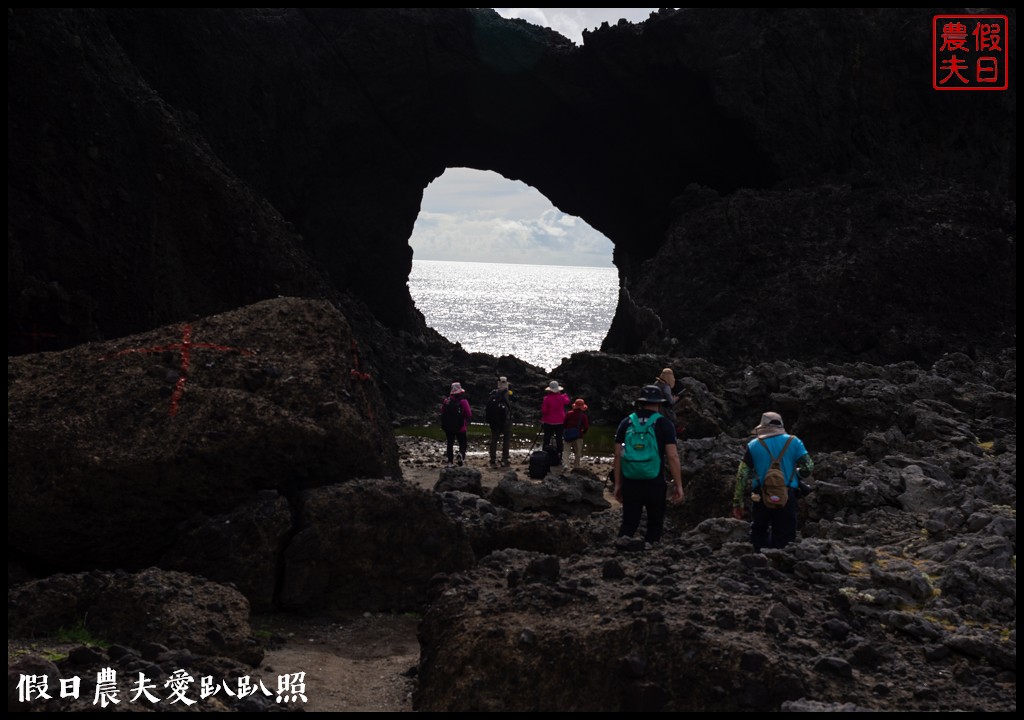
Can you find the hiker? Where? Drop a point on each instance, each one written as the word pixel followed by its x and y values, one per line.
pixel 645 442
pixel 773 507
pixel 499 417
pixel 455 415
pixel 666 382
pixel 552 415
pixel 576 425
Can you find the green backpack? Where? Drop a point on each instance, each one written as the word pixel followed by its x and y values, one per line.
pixel 641 456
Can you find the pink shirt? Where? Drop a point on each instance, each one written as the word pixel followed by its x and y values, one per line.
pixel 467 411
pixel 552 410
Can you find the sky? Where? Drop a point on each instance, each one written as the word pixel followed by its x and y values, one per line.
pixel 480 216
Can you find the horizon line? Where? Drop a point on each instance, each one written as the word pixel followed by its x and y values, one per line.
pixel 510 262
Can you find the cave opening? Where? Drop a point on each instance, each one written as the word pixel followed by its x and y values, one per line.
pixel 501 270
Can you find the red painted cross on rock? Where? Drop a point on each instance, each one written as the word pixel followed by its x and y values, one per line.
pixel 185 347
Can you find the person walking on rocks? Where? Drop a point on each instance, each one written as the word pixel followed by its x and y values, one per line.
pixel 576 425
pixel 772 467
pixel 499 418
pixel 455 416
pixel 552 415
pixel 645 443
pixel 666 382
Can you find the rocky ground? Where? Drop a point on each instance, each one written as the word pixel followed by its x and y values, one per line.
pixel 353 661
pixel 477 588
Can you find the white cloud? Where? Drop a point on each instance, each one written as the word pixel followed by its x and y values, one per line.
pixel 571 22
pixel 478 216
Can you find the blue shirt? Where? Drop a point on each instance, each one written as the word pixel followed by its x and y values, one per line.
pixel 758 458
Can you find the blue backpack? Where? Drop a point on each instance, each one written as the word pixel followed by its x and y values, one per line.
pixel 641 455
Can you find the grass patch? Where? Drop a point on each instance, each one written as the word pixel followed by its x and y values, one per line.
pixel 79 634
pixel 598 441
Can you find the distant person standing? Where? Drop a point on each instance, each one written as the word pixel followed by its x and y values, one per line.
pixel 552 415
pixel 645 443
pixel 499 418
pixel 455 416
pixel 576 425
pixel 666 382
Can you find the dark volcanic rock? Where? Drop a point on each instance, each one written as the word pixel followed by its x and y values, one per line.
pixel 657 618
pixel 460 479
pixel 850 273
pixel 292 148
pixel 170 608
pixel 571 494
pixel 102 473
pixel 370 544
pixel 900 593
pixel 491 527
pixel 243 547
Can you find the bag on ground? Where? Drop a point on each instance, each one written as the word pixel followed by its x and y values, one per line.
pixel 540 464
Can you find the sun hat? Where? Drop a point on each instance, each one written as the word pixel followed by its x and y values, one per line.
pixel 553 386
pixel 651 394
pixel 771 425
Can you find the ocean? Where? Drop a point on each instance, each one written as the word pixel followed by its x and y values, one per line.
pixel 539 313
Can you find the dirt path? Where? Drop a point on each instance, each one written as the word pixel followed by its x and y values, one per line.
pixel 358 664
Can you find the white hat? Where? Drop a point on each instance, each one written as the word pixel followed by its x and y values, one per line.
pixel 771 425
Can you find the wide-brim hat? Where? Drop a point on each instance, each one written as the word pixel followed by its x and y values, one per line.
pixel 651 394
pixel 579 405
pixel 456 389
pixel 553 386
pixel 503 383
pixel 771 425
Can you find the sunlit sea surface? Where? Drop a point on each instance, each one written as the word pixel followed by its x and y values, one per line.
pixel 539 313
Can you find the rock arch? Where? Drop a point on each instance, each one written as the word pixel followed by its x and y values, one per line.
pixel 163 163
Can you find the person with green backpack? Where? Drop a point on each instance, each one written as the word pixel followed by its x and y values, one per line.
pixel 645 442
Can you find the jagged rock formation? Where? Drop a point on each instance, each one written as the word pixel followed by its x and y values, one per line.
pixel 153 606
pixel 152 150
pixel 900 594
pixel 787 199
pixel 100 472
pixel 370 544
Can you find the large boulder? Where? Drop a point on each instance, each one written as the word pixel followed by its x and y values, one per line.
pixel 173 609
pixel 702 623
pixel 112 445
pixel 576 493
pixel 491 527
pixel 243 547
pixel 371 545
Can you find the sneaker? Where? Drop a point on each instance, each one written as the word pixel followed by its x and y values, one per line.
pixel 492 464
pixel 505 463
pixel 458 459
